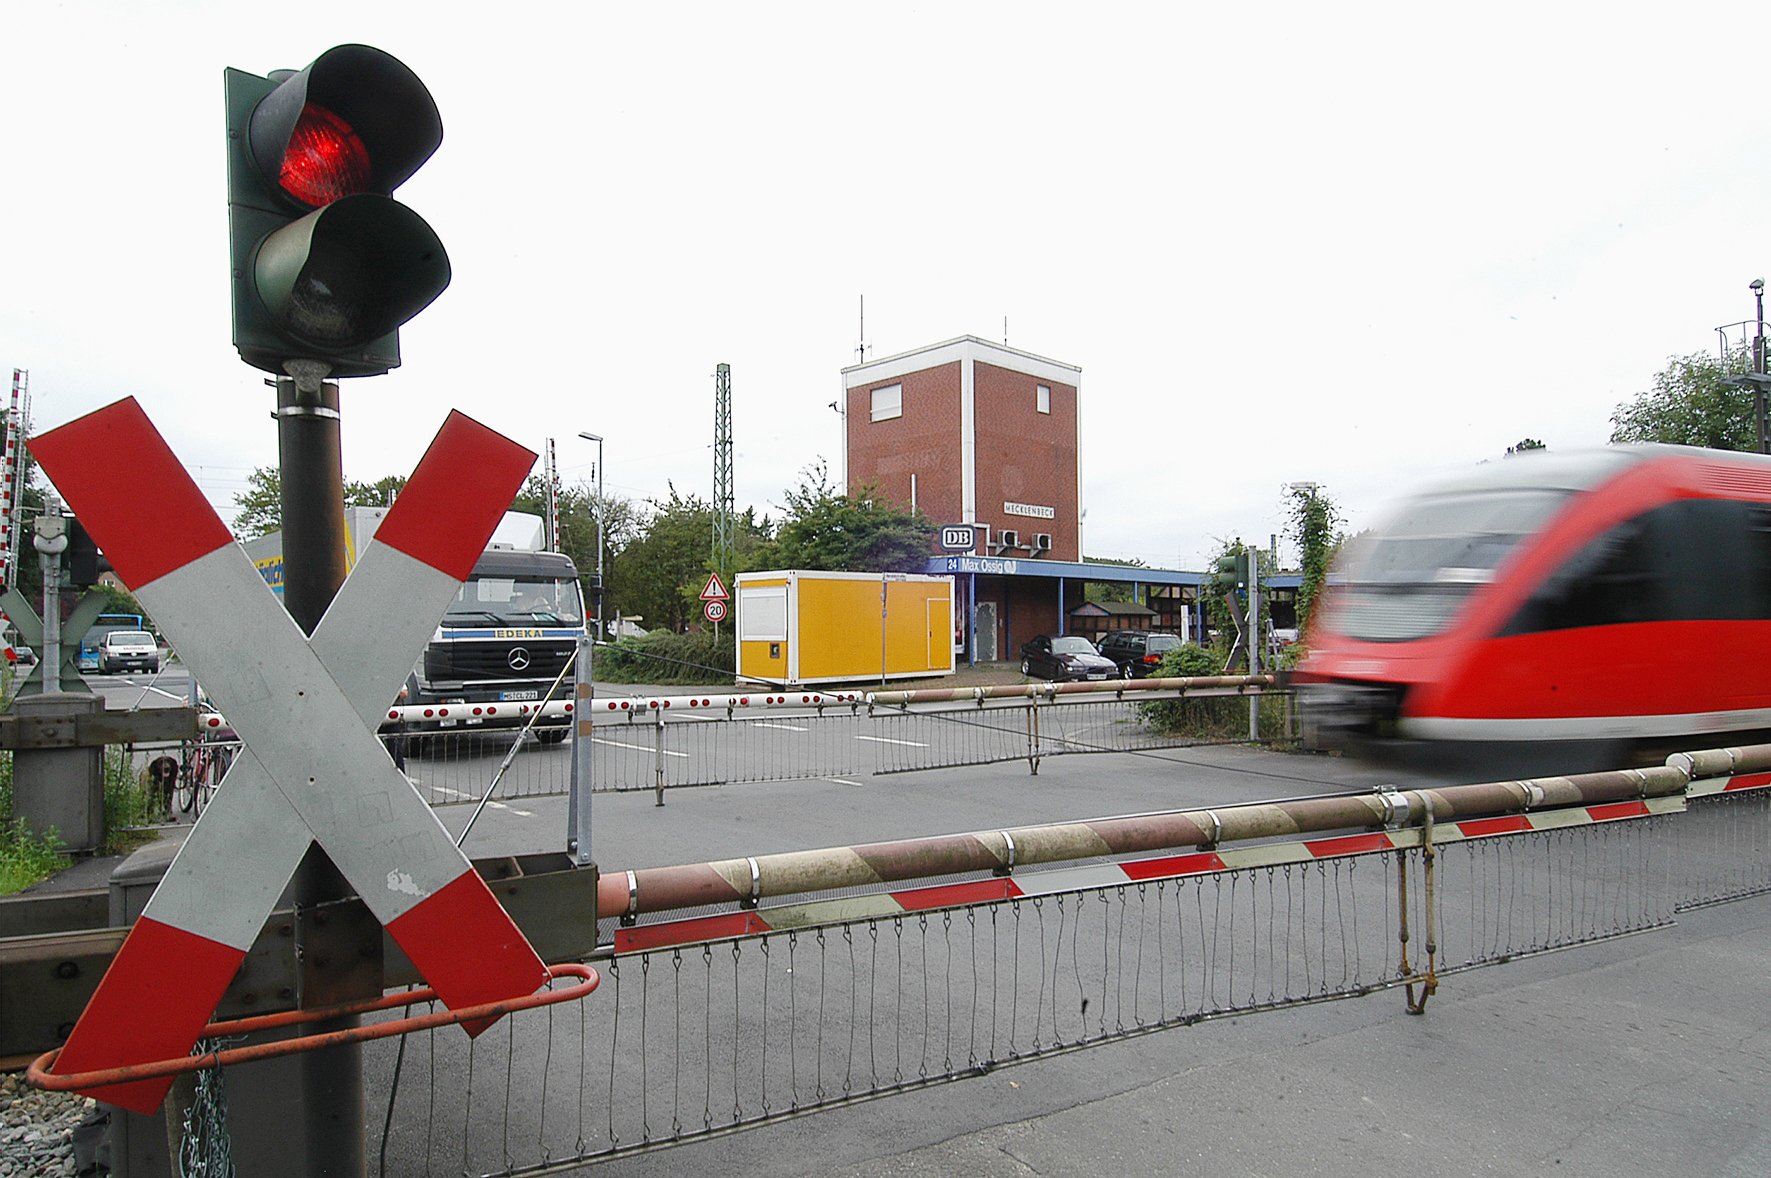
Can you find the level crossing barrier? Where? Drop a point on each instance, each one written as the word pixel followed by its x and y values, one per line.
pixel 752 989
pixel 660 743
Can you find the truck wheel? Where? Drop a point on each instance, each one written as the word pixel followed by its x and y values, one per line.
pixel 551 735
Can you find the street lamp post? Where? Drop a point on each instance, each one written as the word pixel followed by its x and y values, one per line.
pixel 602 633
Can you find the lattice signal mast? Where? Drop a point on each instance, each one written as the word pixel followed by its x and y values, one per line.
pixel 722 468
pixel 12 475
pixel 550 474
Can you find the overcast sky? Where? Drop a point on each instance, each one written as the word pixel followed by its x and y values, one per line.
pixel 1351 244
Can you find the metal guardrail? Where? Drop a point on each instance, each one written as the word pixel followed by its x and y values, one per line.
pixel 669 742
pixel 745 991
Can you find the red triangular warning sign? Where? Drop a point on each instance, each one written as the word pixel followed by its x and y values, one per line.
pixel 714 591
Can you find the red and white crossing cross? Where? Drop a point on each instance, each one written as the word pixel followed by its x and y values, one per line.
pixel 306 710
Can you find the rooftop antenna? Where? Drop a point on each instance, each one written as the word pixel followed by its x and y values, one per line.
pixel 1005 331
pixel 862 347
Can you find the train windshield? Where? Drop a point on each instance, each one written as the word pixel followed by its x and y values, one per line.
pixel 1408 578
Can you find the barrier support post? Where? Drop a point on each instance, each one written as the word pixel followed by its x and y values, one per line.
pixel 658 755
pixel 583 770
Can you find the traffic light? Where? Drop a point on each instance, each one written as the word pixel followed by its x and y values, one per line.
pixel 326 265
pixel 1230 572
pixel 85 563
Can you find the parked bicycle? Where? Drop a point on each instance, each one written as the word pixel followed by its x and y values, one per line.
pixel 206 761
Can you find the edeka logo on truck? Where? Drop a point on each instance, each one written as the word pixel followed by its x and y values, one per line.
pixel 506 637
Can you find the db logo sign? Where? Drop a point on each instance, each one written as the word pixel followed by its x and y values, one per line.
pixel 958 538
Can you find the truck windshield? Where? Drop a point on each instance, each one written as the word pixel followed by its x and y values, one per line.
pixel 517 600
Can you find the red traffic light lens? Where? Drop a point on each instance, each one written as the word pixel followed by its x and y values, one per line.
pixel 325 160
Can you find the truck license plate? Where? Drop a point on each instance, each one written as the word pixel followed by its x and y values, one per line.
pixel 519 695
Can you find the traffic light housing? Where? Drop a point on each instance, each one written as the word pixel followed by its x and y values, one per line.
pixel 326 264
pixel 84 561
pixel 1230 571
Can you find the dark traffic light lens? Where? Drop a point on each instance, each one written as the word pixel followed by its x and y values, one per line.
pixel 325 160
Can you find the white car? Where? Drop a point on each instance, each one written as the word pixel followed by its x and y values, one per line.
pixel 123 650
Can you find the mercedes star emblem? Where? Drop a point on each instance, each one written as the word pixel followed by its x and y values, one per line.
pixel 519 659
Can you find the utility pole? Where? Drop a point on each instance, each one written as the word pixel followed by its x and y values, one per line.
pixel 1254 637
pixel 602 633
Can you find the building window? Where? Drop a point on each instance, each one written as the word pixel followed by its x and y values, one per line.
pixel 1042 398
pixel 888 401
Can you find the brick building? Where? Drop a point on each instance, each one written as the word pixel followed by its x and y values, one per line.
pixel 972 432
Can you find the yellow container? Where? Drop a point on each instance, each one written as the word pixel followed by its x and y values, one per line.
pixel 797 627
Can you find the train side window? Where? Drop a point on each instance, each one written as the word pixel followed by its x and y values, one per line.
pixel 1613 579
pixel 1695 559
pixel 1758 560
pixel 1697 545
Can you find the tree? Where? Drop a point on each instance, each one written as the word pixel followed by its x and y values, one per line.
pixel 260 505
pixel 860 531
pixel 1692 405
pixel 1314 520
pixel 622 524
pixel 665 565
pixel 1111 590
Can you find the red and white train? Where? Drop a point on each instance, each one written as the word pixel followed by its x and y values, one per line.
pixel 1554 611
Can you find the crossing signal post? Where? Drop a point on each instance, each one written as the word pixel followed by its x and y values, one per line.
pixel 326 264
pixel 326 268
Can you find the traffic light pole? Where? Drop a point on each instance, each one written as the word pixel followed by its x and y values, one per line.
pixel 1254 638
pixel 330 1082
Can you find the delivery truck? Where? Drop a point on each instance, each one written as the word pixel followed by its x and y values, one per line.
pixel 797 627
pixel 510 630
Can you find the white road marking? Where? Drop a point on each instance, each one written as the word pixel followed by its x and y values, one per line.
pixel 782 727
pixel 842 781
pixel 888 740
pixel 644 748
pixel 455 793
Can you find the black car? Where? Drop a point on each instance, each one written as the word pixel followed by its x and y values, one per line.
pixel 1136 653
pixel 1069 656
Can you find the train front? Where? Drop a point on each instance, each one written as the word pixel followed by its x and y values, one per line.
pixel 1410 603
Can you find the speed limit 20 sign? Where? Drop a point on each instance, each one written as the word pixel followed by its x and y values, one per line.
pixel 715 611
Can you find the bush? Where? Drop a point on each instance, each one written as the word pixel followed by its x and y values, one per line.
pixel 24 858
pixel 128 803
pixel 662 657
pixel 1223 718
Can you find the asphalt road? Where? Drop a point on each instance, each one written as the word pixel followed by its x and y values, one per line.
pixel 699 824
